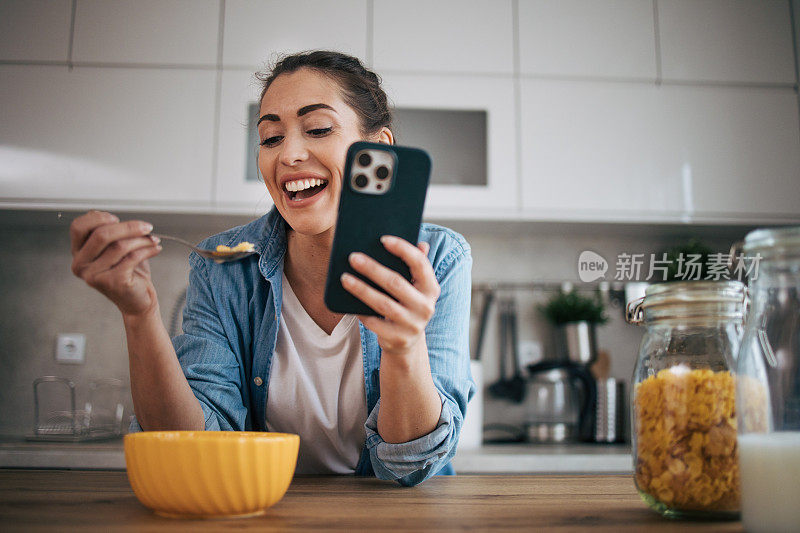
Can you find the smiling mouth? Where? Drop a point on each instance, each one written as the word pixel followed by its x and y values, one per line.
pixel 299 190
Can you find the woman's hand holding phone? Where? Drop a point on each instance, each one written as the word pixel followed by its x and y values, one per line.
pixel 411 305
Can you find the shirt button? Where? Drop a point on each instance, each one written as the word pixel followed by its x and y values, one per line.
pixel 258 381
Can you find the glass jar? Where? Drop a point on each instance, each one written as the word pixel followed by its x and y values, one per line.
pixel 768 384
pixel 683 398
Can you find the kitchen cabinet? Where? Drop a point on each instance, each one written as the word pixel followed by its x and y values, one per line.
pixel 35 30
pixel 443 36
pixel 238 184
pixel 598 151
pixel 495 96
pixel 742 41
pixel 669 153
pixel 180 32
pixel 578 130
pixel 605 38
pixel 94 136
pixel 738 151
pixel 257 31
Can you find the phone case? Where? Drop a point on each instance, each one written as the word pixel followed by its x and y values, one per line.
pixel 364 218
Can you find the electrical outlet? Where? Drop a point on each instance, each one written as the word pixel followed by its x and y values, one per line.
pixel 70 348
pixel 530 352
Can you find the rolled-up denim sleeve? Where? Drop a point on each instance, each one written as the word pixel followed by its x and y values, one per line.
pixel 447 338
pixel 209 363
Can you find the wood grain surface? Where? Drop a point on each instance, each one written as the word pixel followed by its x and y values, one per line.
pixel 67 500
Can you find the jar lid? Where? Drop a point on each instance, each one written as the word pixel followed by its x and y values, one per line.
pixel 773 241
pixel 689 299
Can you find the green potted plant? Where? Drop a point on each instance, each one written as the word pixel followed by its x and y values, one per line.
pixel 677 256
pixel 575 317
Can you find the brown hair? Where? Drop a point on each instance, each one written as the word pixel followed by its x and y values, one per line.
pixel 361 87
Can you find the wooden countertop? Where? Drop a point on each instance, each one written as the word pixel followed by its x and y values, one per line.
pixel 41 500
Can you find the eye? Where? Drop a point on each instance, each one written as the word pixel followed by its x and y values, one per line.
pixel 272 141
pixel 319 132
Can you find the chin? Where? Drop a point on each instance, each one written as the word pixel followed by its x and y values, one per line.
pixel 310 223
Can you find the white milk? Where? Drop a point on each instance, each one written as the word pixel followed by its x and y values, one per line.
pixel 770 468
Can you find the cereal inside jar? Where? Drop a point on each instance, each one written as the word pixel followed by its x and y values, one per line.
pixel 683 400
pixel 686 439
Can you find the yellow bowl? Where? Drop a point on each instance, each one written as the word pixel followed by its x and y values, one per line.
pixel 210 474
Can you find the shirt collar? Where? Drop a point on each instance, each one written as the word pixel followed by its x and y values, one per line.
pixel 268 234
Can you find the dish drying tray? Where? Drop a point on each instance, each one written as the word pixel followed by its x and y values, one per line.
pixel 77 425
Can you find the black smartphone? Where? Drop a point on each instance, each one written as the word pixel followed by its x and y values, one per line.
pixel 383 193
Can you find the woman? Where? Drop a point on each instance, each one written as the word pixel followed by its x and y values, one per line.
pixel 260 351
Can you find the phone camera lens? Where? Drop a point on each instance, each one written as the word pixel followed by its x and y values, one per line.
pixel 364 160
pixel 361 181
pixel 382 173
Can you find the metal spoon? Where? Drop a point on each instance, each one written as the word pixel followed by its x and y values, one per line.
pixel 218 257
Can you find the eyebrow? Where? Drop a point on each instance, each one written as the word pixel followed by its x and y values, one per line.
pixel 300 112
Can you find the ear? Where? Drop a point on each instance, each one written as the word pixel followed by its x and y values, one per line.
pixel 385 136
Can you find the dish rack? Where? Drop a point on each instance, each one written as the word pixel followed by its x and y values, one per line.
pixel 100 419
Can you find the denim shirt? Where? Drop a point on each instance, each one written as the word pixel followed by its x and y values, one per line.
pixel 230 327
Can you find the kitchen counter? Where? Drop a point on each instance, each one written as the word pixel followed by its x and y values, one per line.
pixel 545 458
pixel 38 500
pixel 15 452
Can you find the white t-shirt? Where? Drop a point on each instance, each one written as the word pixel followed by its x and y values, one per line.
pixel 316 389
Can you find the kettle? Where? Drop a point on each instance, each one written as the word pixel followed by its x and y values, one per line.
pixel 560 402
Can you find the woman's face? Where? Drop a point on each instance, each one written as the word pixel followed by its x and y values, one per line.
pixel 305 128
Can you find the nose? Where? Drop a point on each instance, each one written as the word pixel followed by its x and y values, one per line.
pixel 293 150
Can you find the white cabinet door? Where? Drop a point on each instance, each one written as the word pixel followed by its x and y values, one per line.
pixel 605 38
pixel 257 31
pixel 34 30
pixel 103 135
pixel 607 151
pixel 238 184
pixel 739 150
pixel 495 96
pixel 183 32
pixel 746 41
pixel 596 150
pixel 474 36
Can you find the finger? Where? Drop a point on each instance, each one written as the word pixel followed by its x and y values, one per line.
pixel 104 235
pixel 376 300
pixel 116 252
pixel 391 282
pixel 81 227
pixel 124 269
pixel 377 325
pixel 421 269
pixel 425 247
pixel 391 338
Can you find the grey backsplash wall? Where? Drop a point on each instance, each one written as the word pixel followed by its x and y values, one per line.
pixel 42 298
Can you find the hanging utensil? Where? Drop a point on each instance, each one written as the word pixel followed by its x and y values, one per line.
pixel 499 388
pixel 516 385
pixel 508 388
pixel 488 300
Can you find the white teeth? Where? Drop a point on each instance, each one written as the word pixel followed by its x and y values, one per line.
pixel 299 185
